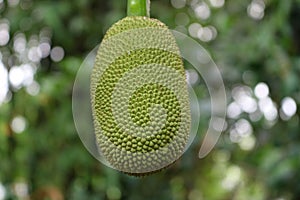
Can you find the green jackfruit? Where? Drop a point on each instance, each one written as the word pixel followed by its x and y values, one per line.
pixel 139 97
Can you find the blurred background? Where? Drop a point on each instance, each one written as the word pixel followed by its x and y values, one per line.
pixel 256 45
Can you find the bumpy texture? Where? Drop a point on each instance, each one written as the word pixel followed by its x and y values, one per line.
pixel 139 97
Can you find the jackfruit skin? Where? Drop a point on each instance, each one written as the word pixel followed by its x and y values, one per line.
pixel 143 125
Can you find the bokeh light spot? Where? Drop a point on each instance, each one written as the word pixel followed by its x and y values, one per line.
pixel 2 192
pixel 247 143
pixel 256 116
pixel 256 9
pixel 243 96
pixel 261 90
pixel 178 3
pixel 34 54
pixel 3 82
pixel 16 76
pixel 192 76
pixel 221 156
pixel 18 124
pixel 234 110
pixel 21 190
pixel 268 108
pixel 4 32
pixel 33 89
pixel 202 11
pixel 57 54
pixel 205 34
pixel 113 193
pixel 21 75
pixel 45 49
pixel 217 3
pixel 13 3
pixel 289 106
pixel 243 128
pixel 233 176
pixel 19 43
pixel 193 29
pixel 182 19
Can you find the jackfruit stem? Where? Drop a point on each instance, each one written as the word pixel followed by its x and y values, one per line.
pixel 138 8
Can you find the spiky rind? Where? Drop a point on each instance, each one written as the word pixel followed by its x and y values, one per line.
pixel 139 147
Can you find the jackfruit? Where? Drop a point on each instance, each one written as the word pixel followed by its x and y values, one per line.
pixel 139 97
